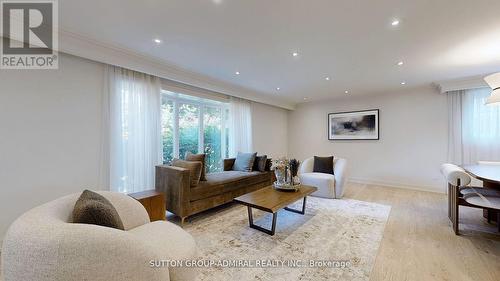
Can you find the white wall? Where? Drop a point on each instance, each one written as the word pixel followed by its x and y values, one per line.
pixel 50 124
pixel 412 145
pixel 269 130
pixel 49 134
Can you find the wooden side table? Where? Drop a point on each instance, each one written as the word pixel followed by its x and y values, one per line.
pixel 154 203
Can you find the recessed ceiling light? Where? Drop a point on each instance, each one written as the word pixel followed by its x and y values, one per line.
pixel 395 22
pixel 237 73
pixel 157 41
pixel 327 78
pixel 347 92
pixel 295 54
pixel 400 63
pixel 277 89
pixel 403 83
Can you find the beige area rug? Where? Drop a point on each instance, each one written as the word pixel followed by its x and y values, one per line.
pixel 330 231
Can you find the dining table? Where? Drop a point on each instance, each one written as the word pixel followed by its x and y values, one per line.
pixel 489 174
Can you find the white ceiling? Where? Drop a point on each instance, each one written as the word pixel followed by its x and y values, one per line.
pixel 351 41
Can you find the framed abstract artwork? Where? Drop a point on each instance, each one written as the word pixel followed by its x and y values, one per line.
pixel 354 125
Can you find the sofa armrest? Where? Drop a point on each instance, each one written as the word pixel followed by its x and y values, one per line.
pixel 340 172
pixel 174 182
pixel 228 164
pixel 306 166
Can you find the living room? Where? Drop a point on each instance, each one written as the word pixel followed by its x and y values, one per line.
pixel 224 140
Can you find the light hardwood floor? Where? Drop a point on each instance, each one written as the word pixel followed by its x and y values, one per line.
pixel 419 244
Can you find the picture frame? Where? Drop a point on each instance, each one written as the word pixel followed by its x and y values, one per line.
pixel 354 125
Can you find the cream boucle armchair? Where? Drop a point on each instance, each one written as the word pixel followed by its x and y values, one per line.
pixel 329 186
pixel 44 245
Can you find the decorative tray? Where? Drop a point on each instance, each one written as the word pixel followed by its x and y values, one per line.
pixel 286 186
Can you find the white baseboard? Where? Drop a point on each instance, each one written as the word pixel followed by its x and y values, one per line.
pixel 398 185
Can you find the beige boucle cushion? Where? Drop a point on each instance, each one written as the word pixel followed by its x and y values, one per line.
pixel 93 208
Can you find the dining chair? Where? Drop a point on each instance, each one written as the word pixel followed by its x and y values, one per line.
pixel 460 194
pixel 455 176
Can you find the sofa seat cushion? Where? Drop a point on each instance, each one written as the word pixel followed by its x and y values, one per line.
pixel 170 243
pixel 222 182
pixel 324 182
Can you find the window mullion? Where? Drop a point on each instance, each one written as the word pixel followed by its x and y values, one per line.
pixel 176 129
pixel 223 134
pixel 201 135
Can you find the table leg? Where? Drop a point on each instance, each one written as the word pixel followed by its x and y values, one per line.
pixel 254 226
pixel 298 211
pixel 491 215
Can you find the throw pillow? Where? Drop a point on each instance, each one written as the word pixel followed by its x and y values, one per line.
pixel 260 163
pixel 323 165
pixel 194 168
pixel 244 162
pixel 201 158
pixel 93 208
pixel 269 164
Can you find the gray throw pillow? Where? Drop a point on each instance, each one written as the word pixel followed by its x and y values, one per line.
pixel 260 163
pixel 244 162
pixel 194 168
pixel 93 208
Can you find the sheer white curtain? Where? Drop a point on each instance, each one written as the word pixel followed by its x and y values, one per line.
pixel 132 114
pixel 240 126
pixel 474 128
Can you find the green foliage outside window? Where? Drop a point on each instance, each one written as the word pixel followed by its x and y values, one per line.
pixel 212 121
pixel 189 132
pixel 188 129
pixel 167 130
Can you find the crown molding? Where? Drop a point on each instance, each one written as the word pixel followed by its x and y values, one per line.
pixel 473 82
pixel 81 46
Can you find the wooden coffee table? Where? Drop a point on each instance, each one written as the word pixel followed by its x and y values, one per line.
pixel 271 200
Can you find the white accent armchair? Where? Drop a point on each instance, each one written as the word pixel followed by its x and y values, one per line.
pixel 329 186
pixel 43 245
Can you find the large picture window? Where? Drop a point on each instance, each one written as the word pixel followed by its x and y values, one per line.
pixel 189 128
pixel 194 125
pixel 474 127
pixel 167 129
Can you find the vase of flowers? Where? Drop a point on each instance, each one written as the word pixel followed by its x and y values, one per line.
pixel 294 169
pixel 280 169
pixel 285 171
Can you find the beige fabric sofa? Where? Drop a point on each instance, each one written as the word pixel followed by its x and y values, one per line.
pixel 43 245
